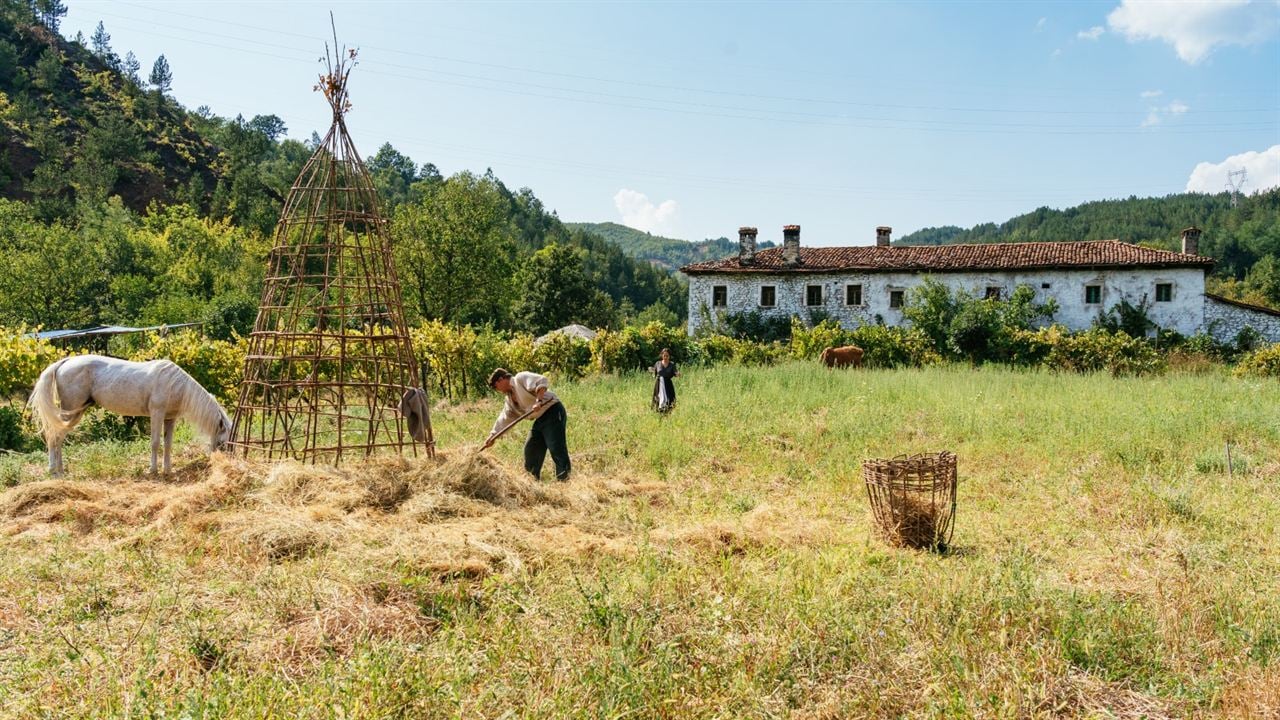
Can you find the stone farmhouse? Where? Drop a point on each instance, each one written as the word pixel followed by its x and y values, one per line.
pixel 870 283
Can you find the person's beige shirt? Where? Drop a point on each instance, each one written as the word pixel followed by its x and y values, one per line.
pixel 522 397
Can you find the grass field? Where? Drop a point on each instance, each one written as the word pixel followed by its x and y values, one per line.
pixel 718 562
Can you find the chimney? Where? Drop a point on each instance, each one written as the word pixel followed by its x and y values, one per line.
pixel 790 245
pixel 746 245
pixel 882 235
pixel 1191 241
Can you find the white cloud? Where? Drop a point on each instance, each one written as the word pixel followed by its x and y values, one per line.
pixel 639 212
pixel 1056 53
pixel 1263 168
pixel 1092 33
pixel 1041 23
pixel 1152 119
pixel 1177 107
pixel 1148 94
pixel 1196 28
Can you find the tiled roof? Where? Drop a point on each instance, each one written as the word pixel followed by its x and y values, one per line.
pixel 952 258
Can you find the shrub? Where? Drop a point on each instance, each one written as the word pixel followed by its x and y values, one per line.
pixel 1248 340
pixel 975 330
pixel 1264 362
pixel 1127 318
pixel 890 347
pixel 99 425
pixel 564 355
pixel 638 348
pixel 1098 349
pixel 616 351
pixel 809 342
pixel 22 359
pixel 755 326
pixel 218 365
pixel 14 433
pixel 725 350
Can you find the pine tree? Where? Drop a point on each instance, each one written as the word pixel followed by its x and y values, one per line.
pixel 101 42
pixel 131 68
pixel 161 76
pixel 51 12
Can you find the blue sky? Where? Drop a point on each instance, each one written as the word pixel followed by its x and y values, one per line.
pixel 692 119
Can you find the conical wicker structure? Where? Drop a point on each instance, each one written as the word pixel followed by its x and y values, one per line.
pixel 330 373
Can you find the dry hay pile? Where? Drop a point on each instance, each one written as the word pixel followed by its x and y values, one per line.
pixel 463 512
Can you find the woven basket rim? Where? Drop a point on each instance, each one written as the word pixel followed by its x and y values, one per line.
pixel 936 458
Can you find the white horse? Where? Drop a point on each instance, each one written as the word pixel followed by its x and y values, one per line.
pixel 157 389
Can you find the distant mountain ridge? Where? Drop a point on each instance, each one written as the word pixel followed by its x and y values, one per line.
pixel 668 253
pixel 1237 235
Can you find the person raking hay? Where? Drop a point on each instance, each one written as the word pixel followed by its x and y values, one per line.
pixel 529 394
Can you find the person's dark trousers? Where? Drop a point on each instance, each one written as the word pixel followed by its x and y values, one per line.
pixel 548 434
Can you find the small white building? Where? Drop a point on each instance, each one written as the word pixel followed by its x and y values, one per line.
pixel 870 283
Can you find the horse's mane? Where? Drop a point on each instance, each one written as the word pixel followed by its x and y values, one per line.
pixel 198 405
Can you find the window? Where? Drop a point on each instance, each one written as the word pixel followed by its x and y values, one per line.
pixel 993 293
pixel 852 294
pixel 1044 286
pixel 896 297
pixel 719 296
pixel 813 295
pixel 1092 294
pixel 1164 292
pixel 768 296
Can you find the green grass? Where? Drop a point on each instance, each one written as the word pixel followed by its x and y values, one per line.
pixel 1103 565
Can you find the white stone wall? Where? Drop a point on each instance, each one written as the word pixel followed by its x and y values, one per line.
pixel 1224 321
pixel 1184 312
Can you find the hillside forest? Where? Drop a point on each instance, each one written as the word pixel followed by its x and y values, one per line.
pixel 120 206
pixel 140 211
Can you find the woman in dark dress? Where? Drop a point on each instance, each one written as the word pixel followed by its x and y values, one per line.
pixel 664 390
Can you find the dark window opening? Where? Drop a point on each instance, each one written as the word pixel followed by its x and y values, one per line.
pixel 1164 292
pixel 993 293
pixel 853 295
pixel 1044 286
pixel 768 296
pixel 896 297
pixel 1093 294
pixel 719 296
pixel 813 295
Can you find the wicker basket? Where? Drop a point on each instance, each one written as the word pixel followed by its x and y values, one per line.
pixel 913 499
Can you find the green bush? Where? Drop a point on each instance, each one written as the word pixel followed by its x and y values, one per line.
pixel 22 359
pixel 99 425
pixel 891 347
pixel 1264 362
pixel 809 342
pixel 564 355
pixel 1098 349
pixel 15 434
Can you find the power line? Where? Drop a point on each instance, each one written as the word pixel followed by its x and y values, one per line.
pixel 737 112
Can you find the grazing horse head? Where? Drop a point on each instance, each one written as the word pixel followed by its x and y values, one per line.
pixel 221 436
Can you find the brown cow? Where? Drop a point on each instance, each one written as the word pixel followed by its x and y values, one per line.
pixel 842 356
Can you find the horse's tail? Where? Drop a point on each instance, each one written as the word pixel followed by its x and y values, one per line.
pixel 45 405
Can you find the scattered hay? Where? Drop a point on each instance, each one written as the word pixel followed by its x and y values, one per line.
pixel 1081 694
pixel 31 497
pixel 377 484
pixel 764 526
pixel 337 627
pixel 283 534
pixel 1253 693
